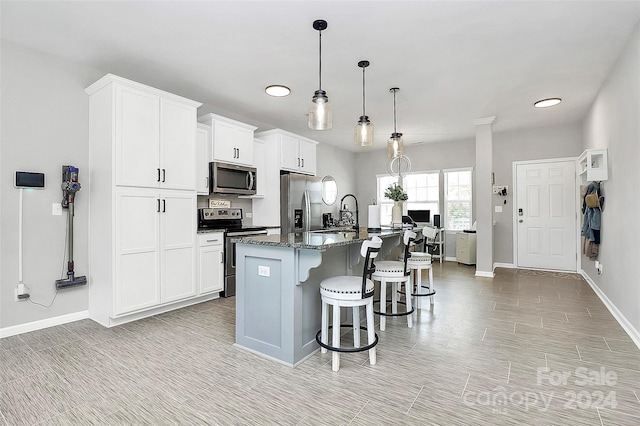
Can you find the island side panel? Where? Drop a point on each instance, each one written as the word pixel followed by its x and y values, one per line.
pixel 264 304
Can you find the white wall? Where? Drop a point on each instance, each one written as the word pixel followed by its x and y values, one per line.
pixel 531 144
pixel 613 123
pixel 341 165
pixel 44 126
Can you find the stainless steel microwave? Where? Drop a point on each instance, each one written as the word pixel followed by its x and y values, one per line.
pixel 225 178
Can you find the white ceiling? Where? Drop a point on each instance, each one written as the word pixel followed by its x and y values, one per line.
pixel 454 62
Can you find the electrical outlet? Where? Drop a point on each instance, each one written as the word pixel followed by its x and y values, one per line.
pixel 248 215
pixel 56 209
pixel 264 271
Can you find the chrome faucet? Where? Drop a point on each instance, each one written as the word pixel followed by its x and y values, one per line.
pixel 357 225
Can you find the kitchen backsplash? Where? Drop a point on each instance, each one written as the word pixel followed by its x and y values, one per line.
pixel 243 203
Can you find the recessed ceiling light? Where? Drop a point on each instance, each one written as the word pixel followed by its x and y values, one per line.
pixel 277 90
pixel 544 103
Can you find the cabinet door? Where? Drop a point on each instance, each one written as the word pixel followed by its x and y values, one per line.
pixel 202 160
pixel 177 147
pixel 244 146
pixel 137 138
pixel 177 245
pixel 289 153
pixel 211 271
pixel 259 164
pixel 137 256
pixel 307 157
pixel 223 147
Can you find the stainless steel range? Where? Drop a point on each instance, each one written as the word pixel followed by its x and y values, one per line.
pixel 228 220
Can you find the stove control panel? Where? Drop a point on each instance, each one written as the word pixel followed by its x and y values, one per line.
pixel 220 213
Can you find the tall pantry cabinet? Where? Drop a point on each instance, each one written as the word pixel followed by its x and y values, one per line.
pixel 143 200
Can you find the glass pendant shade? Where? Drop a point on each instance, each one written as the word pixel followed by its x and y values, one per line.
pixel 320 117
pixel 395 147
pixel 363 132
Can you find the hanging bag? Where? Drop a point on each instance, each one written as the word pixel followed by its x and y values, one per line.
pixel 592 200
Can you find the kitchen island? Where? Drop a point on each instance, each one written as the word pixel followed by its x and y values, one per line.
pixel 278 307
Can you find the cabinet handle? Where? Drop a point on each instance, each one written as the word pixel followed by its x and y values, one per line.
pixel 163 174
pixel 158 208
pixel 221 258
pixel 298 161
pixel 212 241
pixel 206 182
pixel 303 163
pixel 158 175
pixel 238 152
pixel 164 206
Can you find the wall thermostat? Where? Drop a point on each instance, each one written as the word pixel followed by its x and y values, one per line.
pixel 29 180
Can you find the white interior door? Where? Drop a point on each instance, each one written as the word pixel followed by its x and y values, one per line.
pixel 546 215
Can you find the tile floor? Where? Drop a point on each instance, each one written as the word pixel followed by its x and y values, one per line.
pixel 523 348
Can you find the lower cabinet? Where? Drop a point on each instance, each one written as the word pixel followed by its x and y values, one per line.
pixel 154 248
pixel 466 248
pixel 210 262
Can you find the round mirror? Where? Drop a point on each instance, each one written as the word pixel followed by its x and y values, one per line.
pixel 329 190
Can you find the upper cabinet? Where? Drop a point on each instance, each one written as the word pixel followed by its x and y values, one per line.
pixel 231 141
pixel 153 134
pixel 592 165
pixel 297 154
pixel 203 155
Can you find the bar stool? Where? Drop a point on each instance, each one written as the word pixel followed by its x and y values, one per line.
pixel 350 291
pixel 396 273
pixel 420 261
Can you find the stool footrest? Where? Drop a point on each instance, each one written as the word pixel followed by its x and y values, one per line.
pixel 399 314
pixel 431 293
pixel 335 349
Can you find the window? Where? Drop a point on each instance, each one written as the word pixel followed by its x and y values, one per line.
pixel 458 197
pixel 422 188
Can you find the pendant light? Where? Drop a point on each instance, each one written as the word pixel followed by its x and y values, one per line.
pixel 395 147
pixel 363 132
pixel 319 107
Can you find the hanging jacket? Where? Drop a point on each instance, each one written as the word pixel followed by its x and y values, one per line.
pixel 592 216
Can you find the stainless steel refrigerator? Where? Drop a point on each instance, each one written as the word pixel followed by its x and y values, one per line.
pixel 300 203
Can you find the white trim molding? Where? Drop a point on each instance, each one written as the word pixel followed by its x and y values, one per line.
pixel 485 274
pixel 619 316
pixel 41 324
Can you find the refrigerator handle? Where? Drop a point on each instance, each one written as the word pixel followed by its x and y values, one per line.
pixel 307 211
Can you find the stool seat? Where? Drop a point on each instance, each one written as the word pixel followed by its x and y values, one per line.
pixel 418 256
pixel 344 287
pixel 389 267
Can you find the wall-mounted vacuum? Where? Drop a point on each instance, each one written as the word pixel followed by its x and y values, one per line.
pixel 70 186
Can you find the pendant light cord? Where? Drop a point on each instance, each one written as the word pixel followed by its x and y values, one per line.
pixel 394 112
pixel 320 60
pixel 363 92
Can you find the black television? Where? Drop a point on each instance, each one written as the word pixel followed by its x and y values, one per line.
pixel 420 216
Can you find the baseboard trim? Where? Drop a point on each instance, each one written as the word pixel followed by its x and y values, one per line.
pixel 504 265
pixel 41 324
pixel 619 316
pixel 485 274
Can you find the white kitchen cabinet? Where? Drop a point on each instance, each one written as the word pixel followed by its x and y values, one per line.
pixel 155 248
pixel 203 154
pixel 592 165
pixel 210 262
pixel 154 135
pixel 231 141
pixel 466 247
pixel 142 229
pixel 296 154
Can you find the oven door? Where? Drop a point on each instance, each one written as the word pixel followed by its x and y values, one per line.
pixel 230 259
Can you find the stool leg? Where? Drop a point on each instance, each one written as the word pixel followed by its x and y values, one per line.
pixel 431 289
pixel 324 335
pixel 371 332
pixel 408 289
pixel 335 342
pixel 383 304
pixel 356 326
pixel 394 297
pixel 418 287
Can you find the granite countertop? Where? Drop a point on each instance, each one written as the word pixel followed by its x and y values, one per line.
pixel 317 240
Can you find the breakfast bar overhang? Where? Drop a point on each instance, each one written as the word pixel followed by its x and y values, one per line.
pixel 278 287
